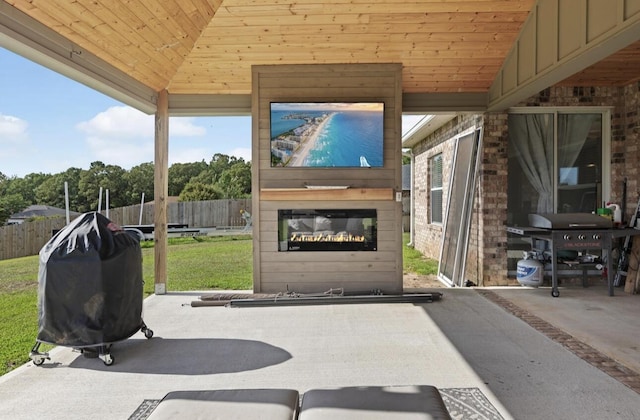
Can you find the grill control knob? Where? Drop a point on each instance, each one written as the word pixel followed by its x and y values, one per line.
pixel 596 236
pixel 567 237
pixel 582 237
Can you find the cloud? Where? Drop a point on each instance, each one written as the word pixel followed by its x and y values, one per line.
pixel 14 142
pixel 119 121
pixel 185 127
pixel 121 152
pixel 124 121
pixel 124 136
pixel 241 152
pixel 189 155
pixel 13 130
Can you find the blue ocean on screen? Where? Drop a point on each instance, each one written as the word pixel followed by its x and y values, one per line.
pixel 347 138
pixel 279 125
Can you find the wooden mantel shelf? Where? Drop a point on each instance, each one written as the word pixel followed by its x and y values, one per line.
pixel 292 194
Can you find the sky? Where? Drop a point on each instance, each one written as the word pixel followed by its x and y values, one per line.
pixel 50 123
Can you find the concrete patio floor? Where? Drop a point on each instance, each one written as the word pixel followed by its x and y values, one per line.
pixel 520 351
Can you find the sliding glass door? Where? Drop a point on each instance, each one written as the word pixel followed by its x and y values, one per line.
pixel 558 163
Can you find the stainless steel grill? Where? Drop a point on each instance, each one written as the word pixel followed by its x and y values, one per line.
pixel 577 232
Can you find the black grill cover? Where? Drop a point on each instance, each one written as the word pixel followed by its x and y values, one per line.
pixel 89 284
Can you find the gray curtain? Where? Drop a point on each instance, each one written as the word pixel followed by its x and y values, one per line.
pixel 573 130
pixel 532 137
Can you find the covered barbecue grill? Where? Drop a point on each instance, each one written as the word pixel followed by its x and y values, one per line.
pixel 577 232
pixel 90 288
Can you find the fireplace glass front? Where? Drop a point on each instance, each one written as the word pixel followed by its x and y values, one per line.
pixel 327 230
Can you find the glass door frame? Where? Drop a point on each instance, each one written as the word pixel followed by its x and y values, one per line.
pixel 605 164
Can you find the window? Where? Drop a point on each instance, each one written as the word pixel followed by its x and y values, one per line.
pixel 556 163
pixel 436 189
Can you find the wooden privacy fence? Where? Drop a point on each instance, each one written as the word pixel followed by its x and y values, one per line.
pixel 29 237
pixel 196 214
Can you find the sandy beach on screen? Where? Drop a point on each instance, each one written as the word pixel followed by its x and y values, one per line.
pixel 298 157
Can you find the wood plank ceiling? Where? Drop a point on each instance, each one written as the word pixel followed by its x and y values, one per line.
pixel 209 46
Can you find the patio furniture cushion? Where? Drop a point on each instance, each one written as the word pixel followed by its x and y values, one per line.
pixel 232 404
pixel 372 402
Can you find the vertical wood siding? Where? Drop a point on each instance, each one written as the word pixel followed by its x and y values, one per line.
pixel 310 272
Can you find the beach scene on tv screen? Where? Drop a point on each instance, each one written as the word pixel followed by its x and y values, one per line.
pixel 327 134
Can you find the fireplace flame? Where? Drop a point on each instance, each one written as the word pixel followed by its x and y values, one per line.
pixel 326 237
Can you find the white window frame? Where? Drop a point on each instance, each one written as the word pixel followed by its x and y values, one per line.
pixel 432 189
pixel 605 164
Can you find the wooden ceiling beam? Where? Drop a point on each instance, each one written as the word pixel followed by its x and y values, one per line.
pixel 453 49
pixel 347 24
pixel 372 8
pixel 422 17
pixel 259 37
pixel 240 104
pixel 295 54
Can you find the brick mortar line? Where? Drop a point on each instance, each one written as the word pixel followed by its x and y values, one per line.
pixel 594 357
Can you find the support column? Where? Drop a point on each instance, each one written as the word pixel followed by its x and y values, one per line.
pixel 161 191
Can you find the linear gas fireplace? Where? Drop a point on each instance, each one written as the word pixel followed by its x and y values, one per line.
pixel 327 230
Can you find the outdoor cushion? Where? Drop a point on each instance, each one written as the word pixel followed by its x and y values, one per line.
pixel 232 404
pixel 371 402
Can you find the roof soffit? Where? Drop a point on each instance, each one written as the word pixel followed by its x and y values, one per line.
pixel 203 50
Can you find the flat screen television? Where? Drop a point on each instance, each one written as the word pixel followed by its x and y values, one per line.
pixel 327 135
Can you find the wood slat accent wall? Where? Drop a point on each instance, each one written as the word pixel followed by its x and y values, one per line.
pixel 284 188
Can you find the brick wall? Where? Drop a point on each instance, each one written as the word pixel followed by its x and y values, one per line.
pixel 487 255
pixel 491 247
pixel 626 137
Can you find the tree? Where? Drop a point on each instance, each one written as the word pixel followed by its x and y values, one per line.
pixel 208 176
pixel 109 177
pixel 10 204
pixel 3 182
pixel 51 191
pixel 224 177
pixel 181 173
pixel 235 182
pixel 220 163
pixel 26 187
pixel 139 180
pixel 197 191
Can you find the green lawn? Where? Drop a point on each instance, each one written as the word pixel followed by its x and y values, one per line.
pixel 224 262
pixel 213 262
pixel 415 262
